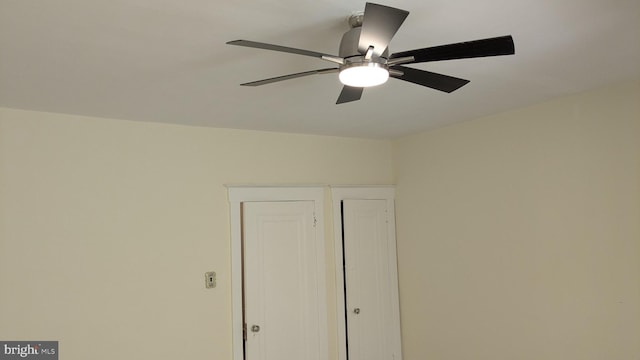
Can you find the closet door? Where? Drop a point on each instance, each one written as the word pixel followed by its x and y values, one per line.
pixel 278 289
pixel 370 276
pixel 283 313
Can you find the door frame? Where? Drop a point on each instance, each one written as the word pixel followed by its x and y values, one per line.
pixel 239 194
pixel 339 193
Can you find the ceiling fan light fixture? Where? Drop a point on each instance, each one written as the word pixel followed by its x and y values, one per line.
pixel 364 59
pixel 365 74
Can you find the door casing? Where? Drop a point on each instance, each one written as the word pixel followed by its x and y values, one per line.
pixel 238 195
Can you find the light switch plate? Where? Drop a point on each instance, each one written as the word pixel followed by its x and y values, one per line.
pixel 210 279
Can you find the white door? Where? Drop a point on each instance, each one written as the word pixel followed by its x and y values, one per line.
pixel 282 310
pixel 372 313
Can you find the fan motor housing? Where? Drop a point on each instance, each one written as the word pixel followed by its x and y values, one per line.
pixel 349 44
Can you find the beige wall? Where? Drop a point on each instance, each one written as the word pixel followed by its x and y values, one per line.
pixel 519 234
pixel 107 227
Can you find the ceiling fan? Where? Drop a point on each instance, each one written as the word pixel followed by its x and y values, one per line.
pixel 364 58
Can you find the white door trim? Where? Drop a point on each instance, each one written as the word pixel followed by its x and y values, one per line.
pixel 339 193
pixel 238 195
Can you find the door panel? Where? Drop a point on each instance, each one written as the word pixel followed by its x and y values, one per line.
pixel 280 281
pixel 371 290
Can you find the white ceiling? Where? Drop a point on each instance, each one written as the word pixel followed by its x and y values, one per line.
pixel 166 61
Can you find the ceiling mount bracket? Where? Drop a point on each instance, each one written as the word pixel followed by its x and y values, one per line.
pixel 355 20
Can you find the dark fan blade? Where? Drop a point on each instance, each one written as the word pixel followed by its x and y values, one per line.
pixel 290 76
pixel 426 78
pixel 502 45
pixel 265 46
pixel 379 25
pixel 349 93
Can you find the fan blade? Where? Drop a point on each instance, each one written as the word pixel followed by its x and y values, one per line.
pixel 349 93
pixel 266 46
pixel 502 45
pixel 429 79
pixel 379 25
pixel 290 76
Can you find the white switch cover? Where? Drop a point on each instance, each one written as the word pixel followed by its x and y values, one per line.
pixel 210 279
